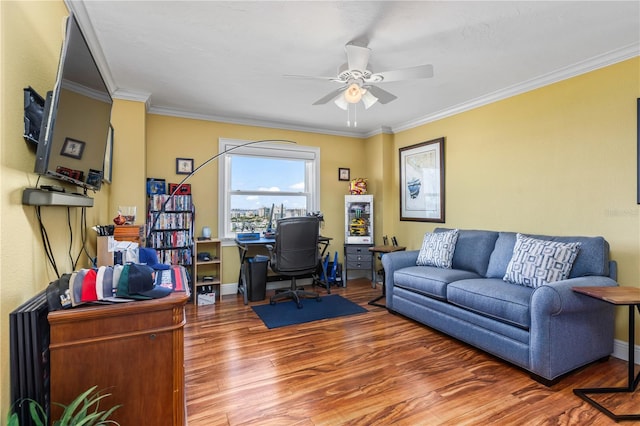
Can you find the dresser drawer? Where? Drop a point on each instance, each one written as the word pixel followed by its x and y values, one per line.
pixel 355 264
pixel 357 250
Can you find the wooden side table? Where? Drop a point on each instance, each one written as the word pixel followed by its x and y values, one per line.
pixel 629 296
pixel 382 250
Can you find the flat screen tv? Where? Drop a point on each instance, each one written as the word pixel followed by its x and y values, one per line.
pixel 77 116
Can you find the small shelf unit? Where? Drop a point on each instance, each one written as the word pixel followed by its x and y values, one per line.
pixel 207 267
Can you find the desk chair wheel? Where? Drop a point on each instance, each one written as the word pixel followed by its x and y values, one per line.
pixel 299 305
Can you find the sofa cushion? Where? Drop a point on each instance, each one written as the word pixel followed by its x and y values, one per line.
pixel 592 259
pixel 429 280
pixel 493 298
pixel 537 262
pixel 473 249
pixel 437 249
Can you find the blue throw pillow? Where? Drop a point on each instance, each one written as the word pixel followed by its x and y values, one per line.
pixel 538 262
pixel 437 249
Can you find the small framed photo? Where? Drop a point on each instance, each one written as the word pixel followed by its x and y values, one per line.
pixel 344 174
pixel 72 148
pixel 184 166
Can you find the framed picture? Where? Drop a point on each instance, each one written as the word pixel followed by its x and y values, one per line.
pixel 108 155
pixel 72 148
pixel 344 174
pixel 184 166
pixel 422 181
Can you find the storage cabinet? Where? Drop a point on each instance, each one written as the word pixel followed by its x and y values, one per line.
pixel 358 221
pixel 357 257
pixel 170 225
pixel 207 266
pixel 134 351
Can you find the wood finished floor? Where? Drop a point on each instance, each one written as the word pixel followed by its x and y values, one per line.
pixel 368 369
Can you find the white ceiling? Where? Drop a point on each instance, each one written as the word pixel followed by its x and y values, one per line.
pixel 225 61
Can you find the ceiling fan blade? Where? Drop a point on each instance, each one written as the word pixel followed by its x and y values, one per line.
pixel 330 96
pixel 311 77
pixel 412 73
pixel 383 96
pixel 357 57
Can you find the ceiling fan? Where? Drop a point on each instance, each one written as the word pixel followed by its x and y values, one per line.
pixel 358 81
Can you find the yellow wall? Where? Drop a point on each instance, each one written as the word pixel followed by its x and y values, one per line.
pixel 169 138
pixel 31 34
pixel 128 187
pixel 557 160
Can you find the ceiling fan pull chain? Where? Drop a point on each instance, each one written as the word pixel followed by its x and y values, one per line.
pixel 348 116
pixel 355 115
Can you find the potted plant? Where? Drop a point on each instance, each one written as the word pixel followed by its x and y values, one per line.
pixel 84 410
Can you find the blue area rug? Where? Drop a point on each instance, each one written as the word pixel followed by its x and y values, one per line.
pixel 286 312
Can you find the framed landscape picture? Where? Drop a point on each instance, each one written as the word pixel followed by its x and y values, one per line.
pixel 422 181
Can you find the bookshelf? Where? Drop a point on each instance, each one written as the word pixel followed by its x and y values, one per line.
pixel 207 267
pixel 172 233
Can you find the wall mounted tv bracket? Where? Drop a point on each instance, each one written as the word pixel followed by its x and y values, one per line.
pixel 33 113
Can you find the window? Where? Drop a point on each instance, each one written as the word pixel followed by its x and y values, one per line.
pixel 261 182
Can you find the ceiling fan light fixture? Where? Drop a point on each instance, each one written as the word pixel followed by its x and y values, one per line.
pixel 368 99
pixel 341 102
pixel 353 94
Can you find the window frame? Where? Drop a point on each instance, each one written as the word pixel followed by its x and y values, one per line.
pixel 271 148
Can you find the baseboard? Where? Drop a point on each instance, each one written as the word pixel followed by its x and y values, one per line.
pixel 229 288
pixel 621 351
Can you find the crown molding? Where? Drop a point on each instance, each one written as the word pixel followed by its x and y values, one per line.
pixel 79 10
pixel 597 62
pixel 127 95
pixel 248 122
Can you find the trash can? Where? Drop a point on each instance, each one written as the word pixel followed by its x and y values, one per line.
pixel 256 276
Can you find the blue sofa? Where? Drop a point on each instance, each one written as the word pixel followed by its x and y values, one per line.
pixel 549 330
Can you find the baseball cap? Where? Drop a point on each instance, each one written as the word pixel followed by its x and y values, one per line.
pixel 89 293
pixel 75 287
pixel 100 282
pixel 58 296
pixel 149 257
pixel 117 271
pixel 137 282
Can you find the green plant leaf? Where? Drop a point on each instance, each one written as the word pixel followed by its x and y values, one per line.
pixel 37 413
pixel 85 410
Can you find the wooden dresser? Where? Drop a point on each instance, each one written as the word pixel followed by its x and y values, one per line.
pixel 135 351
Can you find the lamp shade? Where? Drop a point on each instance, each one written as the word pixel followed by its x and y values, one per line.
pixel 368 99
pixel 341 103
pixel 353 94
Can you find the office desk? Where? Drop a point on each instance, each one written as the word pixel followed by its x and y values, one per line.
pixel 245 245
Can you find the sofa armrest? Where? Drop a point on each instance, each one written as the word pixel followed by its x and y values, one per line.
pixel 569 329
pixel 392 262
pixel 558 297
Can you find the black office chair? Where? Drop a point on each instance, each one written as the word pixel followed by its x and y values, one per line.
pixel 295 253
